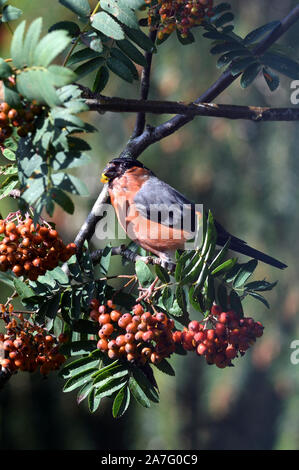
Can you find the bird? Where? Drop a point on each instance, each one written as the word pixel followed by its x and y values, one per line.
pixel 153 213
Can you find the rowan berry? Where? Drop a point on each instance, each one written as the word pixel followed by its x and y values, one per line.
pixel 104 318
pixel 107 329
pixel 115 315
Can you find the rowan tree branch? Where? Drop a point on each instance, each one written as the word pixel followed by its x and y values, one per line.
pixel 255 113
pixel 130 255
pixel 144 87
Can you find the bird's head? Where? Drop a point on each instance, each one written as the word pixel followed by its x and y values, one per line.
pixel 117 167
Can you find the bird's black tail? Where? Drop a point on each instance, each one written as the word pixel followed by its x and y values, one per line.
pixel 238 245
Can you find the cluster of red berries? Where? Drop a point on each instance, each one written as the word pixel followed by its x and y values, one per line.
pixel 30 250
pixel 139 337
pixel 26 346
pixel 168 15
pixel 23 119
pixel 228 336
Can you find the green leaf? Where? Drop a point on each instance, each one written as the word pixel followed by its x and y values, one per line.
pixel 35 190
pixel 59 275
pixel 121 402
pixel 282 64
pixel 138 393
pixel 167 298
pixel 250 74
pixel 176 310
pixel 10 13
pixel 77 366
pixel 23 290
pixel 146 385
pixel 79 7
pixel 259 297
pixel 132 52
pixel 162 274
pixel 258 33
pixel 120 69
pixel 93 401
pixel 260 286
pixel 16 48
pixel 244 273
pixel 195 301
pixel 89 67
pixel 226 18
pixel 8 185
pixel 37 84
pixel 226 46
pixel 271 78
pixel 135 4
pixel 69 26
pixel 101 80
pixel 141 39
pixel 181 298
pixel 50 46
pixel 222 296
pixel 144 274
pixel 107 25
pixel 224 267
pixel 240 65
pixel 63 200
pixel 5 69
pixel 70 183
pixel 9 154
pixel 79 379
pixel 119 55
pixel 61 76
pixel 236 304
pixel 82 55
pixel 7 280
pixel 84 392
pixel 121 11
pixel 229 56
pixel 216 35
pixel 107 371
pixel 165 367
pixel 104 381
pixel 105 260
pixel 31 40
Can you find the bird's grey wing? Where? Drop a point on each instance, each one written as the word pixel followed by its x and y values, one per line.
pixel 158 201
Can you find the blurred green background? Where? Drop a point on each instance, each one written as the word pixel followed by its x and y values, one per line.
pixel 247 173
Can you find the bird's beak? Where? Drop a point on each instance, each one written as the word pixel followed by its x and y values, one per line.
pixel 104 178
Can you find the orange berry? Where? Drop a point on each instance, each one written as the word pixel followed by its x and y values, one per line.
pixel 104 318
pixel 107 329
pixel 115 315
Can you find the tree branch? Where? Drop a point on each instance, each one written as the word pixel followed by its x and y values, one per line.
pixel 144 88
pixel 130 255
pixel 254 113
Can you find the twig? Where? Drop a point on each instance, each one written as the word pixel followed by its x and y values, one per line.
pixel 144 89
